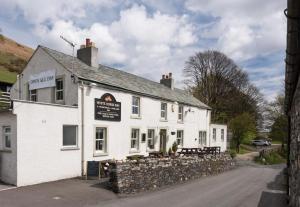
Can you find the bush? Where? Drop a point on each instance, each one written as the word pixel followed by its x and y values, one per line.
pixel 174 147
pixel 232 153
pixel 271 158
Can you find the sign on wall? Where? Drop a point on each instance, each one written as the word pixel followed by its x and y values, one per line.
pixel 107 108
pixel 42 80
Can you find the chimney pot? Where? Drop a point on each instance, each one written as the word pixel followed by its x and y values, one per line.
pixel 88 53
pixel 87 42
pixel 168 81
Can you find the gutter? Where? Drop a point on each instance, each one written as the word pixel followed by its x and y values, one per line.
pixel 139 93
pixel 82 129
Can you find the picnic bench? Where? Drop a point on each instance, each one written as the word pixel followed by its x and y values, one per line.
pixel 199 151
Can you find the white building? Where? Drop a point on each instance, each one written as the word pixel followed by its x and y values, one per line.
pixel 67 111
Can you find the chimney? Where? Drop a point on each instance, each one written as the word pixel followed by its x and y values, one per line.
pixel 167 80
pixel 88 53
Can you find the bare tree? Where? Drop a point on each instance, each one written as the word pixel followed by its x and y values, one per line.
pixel 217 81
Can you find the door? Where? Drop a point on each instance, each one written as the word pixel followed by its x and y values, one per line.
pixel 163 141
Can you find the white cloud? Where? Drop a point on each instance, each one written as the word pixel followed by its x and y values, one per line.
pixel 143 43
pixel 244 29
pixel 37 12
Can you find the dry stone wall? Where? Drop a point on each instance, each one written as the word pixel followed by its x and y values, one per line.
pixel 294 156
pixel 147 174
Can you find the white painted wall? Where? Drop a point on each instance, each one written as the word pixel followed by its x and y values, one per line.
pixel 218 141
pixel 8 158
pixel 41 157
pixel 119 133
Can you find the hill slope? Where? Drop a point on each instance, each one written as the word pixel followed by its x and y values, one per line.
pixel 13 58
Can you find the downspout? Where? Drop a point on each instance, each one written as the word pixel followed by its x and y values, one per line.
pixel 82 129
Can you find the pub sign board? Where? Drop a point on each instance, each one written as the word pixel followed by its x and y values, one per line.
pixel 107 108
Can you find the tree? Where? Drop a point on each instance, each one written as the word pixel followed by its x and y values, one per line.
pixel 241 126
pixel 279 129
pixel 278 120
pixel 217 81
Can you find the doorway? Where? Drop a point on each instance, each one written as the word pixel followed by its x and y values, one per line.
pixel 163 140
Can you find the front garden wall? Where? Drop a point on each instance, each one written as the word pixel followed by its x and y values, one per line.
pixel 148 174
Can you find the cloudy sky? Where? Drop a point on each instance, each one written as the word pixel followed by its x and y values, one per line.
pixel 152 37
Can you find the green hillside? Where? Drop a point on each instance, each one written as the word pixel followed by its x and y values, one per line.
pixel 13 58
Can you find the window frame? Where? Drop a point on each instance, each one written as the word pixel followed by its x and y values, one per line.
pixel 214 134
pixel 4 134
pixel 222 134
pixel 165 111
pixel 137 139
pixel 69 146
pixel 138 106
pixel 202 137
pixel 180 113
pixel 104 151
pixel 151 138
pixel 31 94
pixel 180 138
pixel 59 90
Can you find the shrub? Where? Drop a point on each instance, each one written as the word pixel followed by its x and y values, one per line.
pixel 174 147
pixel 232 153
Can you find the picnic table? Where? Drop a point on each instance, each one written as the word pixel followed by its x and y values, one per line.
pixel 199 151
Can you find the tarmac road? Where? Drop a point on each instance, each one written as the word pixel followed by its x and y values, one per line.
pixel 247 186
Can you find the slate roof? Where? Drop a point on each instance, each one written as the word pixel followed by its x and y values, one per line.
pixel 123 80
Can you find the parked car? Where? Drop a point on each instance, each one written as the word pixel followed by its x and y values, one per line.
pixel 261 142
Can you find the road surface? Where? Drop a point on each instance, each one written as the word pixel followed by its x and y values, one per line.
pixel 246 186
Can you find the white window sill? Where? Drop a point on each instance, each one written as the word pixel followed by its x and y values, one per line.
pixel 6 150
pixel 150 150
pixel 180 122
pixel 69 148
pixel 164 120
pixel 132 151
pixel 135 117
pixel 100 154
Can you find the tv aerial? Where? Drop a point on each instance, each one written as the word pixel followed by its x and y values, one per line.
pixel 72 44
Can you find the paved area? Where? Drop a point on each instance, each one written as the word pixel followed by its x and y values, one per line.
pixel 246 186
pixel 4 186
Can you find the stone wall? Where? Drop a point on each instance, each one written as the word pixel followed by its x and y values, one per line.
pixel 148 174
pixel 294 156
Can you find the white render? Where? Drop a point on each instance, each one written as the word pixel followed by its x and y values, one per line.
pixel 218 141
pixel 37 154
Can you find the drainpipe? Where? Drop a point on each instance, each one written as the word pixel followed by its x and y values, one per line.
pixel 82 128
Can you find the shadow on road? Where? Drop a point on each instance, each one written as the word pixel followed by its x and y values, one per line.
pixel 275 196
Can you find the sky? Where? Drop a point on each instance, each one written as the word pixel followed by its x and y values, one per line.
pixel 153 37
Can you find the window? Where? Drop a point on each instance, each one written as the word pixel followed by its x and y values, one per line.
pixel 222 134
pixel 151 134
pixel 135 105
pixel 7 137
pixel 59 90
pixel 101 140
pixel 202 137
pixel 163 111
pixel 69 136
pixel 135 135
pixel 32 94
pixel 180 113
pixel 180 138
pixel 214 134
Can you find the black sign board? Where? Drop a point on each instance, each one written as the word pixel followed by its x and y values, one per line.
pixel 107 108
pixel 93 168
